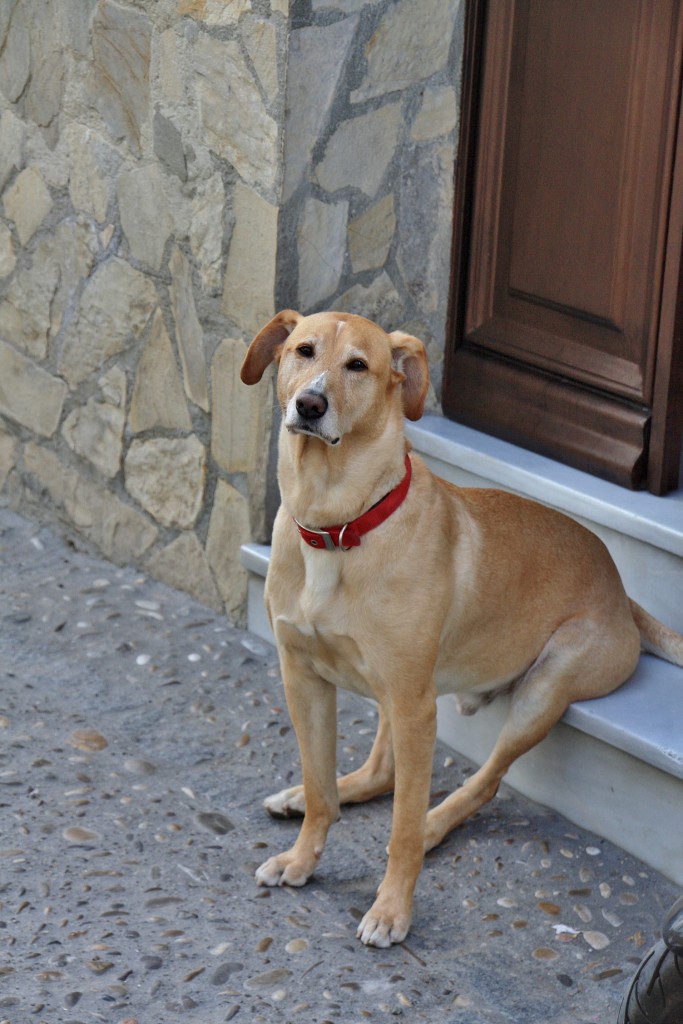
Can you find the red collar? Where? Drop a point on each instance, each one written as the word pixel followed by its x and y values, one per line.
pixel 349 535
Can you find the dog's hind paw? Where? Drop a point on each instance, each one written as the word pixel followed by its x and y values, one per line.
pixel 288 803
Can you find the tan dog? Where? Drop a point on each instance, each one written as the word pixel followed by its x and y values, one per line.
pixel 450 590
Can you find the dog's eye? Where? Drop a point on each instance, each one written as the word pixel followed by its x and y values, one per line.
pixel 357 365
pixel 306 351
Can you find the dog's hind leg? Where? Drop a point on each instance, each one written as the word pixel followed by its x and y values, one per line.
pixel 581 660
pixel 374 778
pixel 523 728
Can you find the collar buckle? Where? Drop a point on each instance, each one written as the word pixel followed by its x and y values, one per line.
pixel 326 541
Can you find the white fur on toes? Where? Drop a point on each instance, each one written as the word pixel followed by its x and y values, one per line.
pixel 280 871
pixel 378 931
pixel 288 803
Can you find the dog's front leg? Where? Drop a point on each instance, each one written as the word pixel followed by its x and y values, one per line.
pixel 312 706
pixel 413 728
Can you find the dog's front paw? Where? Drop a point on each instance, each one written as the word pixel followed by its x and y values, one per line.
pixel 285 869
pixel 382 926
pixel 288 803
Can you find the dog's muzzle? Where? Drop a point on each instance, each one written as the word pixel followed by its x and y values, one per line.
pixel 309 413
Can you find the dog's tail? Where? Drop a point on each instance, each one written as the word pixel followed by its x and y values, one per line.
pixel 656 638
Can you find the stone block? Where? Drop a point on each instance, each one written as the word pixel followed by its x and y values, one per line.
pixel 32 310
pixel 73 248
pixel 348 6
pixel 9 449
pixel 12 133
pixel 260 39
pixel 228 530
pixel 48 71
pixel 158 400
pixel 114 385
pixel 28 394
pixel 144 212
pixel 92 164
pixel 182 564
pixel 379 301
pixel 120 532
pixel 115 306
pixel 8 260
pixel 15 50
pixel 371 235
pixel 76 21
pixel 206 231
pixel 26 309
pixel 95 432
pixel 410 44
pixel 437 116
pixel 167 476
pixel 27 202
pixel 317 59
pixel 238 421
pixel 249 287
pixel 425 225
pixel 121 39
pixel 168 146
pixel 360 151
pixel 169 67
pixel 238 127
pixel 32 57
pixel 214 12
pixel 189 334
pixel 322 247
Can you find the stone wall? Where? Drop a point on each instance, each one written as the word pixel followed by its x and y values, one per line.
pixel 171 173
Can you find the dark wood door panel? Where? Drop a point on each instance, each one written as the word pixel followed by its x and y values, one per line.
pixel 564 203
pixel 561 217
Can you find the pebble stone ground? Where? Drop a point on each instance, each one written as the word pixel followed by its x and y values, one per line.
pixel 139 733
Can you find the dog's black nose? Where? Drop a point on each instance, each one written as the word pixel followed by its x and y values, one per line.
pixel 311 405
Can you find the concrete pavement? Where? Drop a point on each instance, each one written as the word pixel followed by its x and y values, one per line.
pixel 139 733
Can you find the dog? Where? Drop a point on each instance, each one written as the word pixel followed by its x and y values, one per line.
pixel 388 581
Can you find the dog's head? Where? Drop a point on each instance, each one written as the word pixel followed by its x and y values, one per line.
pixel 338 372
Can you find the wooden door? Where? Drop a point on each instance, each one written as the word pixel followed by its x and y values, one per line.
pixel 566 313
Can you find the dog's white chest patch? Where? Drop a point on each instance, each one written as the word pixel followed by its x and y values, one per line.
pixel 323 582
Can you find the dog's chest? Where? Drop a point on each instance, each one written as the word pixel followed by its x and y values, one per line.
pixel 316 624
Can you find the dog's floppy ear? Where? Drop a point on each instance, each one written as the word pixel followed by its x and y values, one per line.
pixel 409 359
pixel 267 344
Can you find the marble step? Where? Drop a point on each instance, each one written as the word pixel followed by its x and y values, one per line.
pixel 613 765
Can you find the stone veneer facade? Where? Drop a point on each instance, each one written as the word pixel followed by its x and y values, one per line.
pixel 172 172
